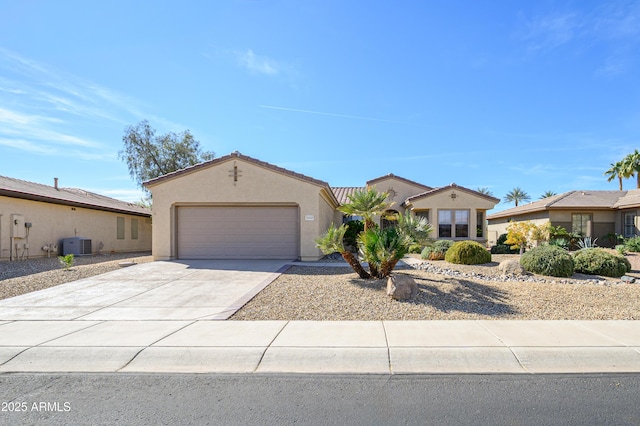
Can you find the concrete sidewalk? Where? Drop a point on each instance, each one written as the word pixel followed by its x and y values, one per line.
pixel 376 347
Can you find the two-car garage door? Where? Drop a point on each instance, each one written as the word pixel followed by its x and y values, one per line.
pixel 237 232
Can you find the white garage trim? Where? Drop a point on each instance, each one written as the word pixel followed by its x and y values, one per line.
pixel 238 232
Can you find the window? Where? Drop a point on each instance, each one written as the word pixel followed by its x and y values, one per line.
pixel 444 224
pixel 134 229
pixel 581 223
pixel 629 225
pixel 462 223
pixel 453 224
pixel 120 230
pixel 480 224
pixel 424 214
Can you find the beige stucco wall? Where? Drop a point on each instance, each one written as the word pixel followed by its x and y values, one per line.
pixel 463 201
pixel 53 222
pixel 256 184
pixel 403 190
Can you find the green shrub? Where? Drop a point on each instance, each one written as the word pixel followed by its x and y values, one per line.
pixel 621 249
pixel 66 261
pixel 437 251
pixel 633 244
pixel 468 253
pixel 548 260
pixel 354 228
pixel 596 261
pixel 502 248
pixel 561 242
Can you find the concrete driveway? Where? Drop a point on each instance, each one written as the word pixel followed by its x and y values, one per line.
pixel 178 290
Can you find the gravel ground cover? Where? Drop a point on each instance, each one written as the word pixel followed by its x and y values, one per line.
pixel 24 276
pixel 446 292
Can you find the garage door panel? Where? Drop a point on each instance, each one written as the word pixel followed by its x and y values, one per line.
pixel 238 232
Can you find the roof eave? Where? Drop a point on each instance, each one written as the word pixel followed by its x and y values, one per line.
pixel 51 200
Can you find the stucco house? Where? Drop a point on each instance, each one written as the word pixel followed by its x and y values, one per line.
pixel 596 214
pixel 236 207
pixel 35 220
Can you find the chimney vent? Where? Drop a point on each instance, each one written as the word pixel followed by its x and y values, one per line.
pixel 55 183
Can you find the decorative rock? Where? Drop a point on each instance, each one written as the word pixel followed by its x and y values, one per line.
pixel 627 279
pixel 511 267
pixel 401 287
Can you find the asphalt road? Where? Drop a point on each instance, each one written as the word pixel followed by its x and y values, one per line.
pixel 224 399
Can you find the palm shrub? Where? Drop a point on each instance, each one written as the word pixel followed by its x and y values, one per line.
pixel 596 261
pixel 468 253
pixel 366 203
pixel 333 241
pixel 548 260
pixel 437 251
pixel 382 249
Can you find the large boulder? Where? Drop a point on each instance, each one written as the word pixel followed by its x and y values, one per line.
pixel 401 287
pixel 511 267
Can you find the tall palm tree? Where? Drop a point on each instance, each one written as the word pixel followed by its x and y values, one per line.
pixel 516 195
pixel 485 191
pixel 631 166
pixel 366 203
pixel 547 194
pixel 617 170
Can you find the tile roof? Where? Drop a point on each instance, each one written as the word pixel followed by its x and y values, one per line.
pixel 391 175
pixel 568 200
pixel 631 199
pixel 342 192
pixel 448 187
pixel 16 188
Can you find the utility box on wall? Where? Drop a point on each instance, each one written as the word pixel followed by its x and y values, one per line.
pixel 18 229
pixel 76 246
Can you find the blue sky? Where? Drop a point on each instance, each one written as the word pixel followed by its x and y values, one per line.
pixel 542 95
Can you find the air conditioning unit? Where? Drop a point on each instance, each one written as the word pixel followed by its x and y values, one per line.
pixel 76 246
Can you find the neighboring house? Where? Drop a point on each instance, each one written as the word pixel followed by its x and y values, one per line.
pixel 34 216
pixel 237 207
pixel 596 214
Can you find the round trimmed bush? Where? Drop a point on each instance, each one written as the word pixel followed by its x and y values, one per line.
pixel 437 251
pixel 596 261
pixel 468 253
pixel 548 260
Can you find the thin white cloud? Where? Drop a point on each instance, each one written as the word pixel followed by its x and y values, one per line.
pixel 39 102
pixel 551 31
pixel 613 28
pixel 27 146
pixel 258 64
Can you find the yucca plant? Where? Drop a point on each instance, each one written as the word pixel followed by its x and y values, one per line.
pixel 332 241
